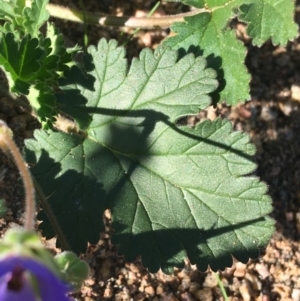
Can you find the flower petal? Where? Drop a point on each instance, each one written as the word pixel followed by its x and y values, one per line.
pixel 50 286
pixel 6 294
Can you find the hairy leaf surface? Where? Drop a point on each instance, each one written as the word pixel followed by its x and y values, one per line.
pixel 174 192
pixel 24 19
pixel 35 16
pixel 7 10
pixel 208 34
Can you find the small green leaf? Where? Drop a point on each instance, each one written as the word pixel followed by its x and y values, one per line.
pixel 8 27
pixel 73 269
pixel 59 49
pixel 208 34
pixel 174 192
pixel 33 66
pixel 260 16
pixel 42 100
pixel 35 16
pixel 223 51
pixel 26 20
pixel 19 7
pixel 20 61
pixel 7 10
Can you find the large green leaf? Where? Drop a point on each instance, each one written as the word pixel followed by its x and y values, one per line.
pixel 208 34
pixel 174 192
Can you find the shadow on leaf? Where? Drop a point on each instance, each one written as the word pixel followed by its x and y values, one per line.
pixel 84 177
pixel 214 62
pixel 77 200
pixel 166 248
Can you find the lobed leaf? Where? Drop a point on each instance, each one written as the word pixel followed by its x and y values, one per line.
pixel 7 10
pixel 35 16
pixel 174 192
pixel 208 34
pixel 26 20
pixel 33 66
pixel 43 102
pixel 20 60
pixel 260 16
pixel 59 49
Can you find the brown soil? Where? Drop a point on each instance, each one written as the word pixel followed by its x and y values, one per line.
pixel 272 119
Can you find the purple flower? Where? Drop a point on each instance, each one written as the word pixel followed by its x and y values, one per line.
pixel 26 279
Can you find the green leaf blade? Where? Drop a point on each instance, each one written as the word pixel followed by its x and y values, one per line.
pixel 174 192
pixel 20 61
pixel 7 10
pixel 77 198
pixel 195 193
pixel 260 16
pixel 224 54
pixel 208 34
pixel 35 16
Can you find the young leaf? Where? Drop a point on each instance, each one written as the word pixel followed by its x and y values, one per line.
pixel 209 35
pixel 59 49
pixel 7 10
pixel 35 16
pixel 26 20
pixel 174 192
pixel 224 53
pixel 260 16
pixel 21 61
pixel 43 102
pixel 33 66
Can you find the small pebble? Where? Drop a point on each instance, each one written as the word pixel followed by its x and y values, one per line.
pixel 268 114
pixel 240 270
pixel 210 280
pixel 295 92
pixel 186 297
pixel 245 291
pixel 150 290
pixel 204 294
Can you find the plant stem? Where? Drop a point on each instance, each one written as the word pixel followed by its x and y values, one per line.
pixel 55 225
pixel 138 28
pixel 8 145
pixel 76 15
pixel 85 36
pixel 221 286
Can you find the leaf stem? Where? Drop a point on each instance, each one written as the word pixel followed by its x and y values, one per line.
pixel 79 16
pixel 8 145
pixel 138 28
pixel 53 221
pixel 221 286
pixel 85 36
